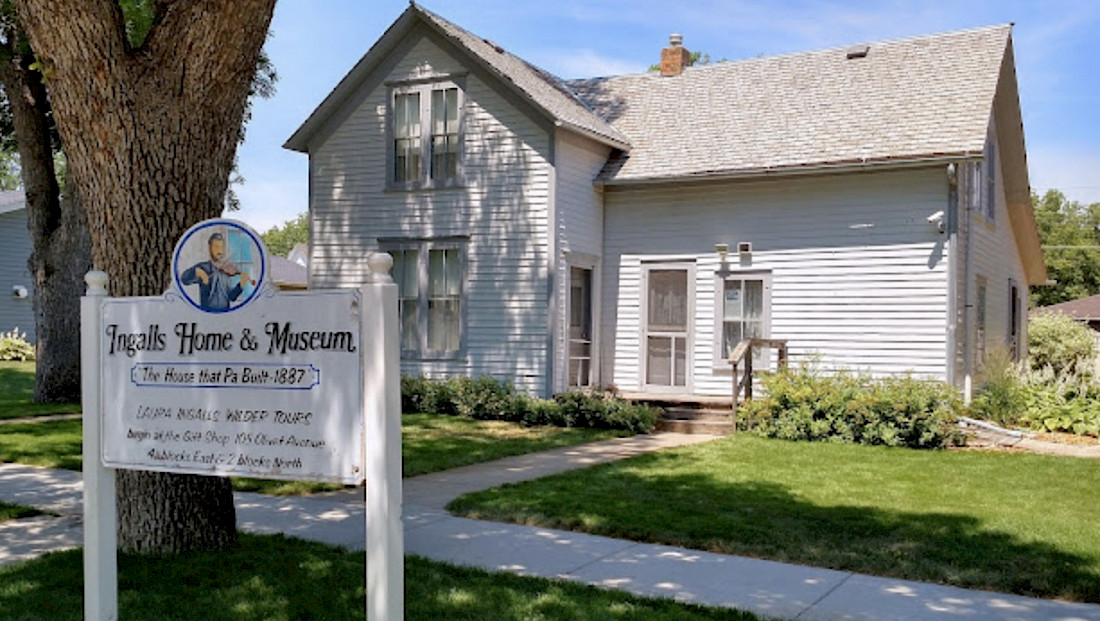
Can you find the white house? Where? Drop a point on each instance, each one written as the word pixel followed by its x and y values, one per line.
pixel 16 283
pixel 870 205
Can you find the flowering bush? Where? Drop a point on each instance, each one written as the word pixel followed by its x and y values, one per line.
pixel 14 346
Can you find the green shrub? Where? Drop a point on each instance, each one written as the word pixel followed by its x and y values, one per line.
pixel 488 398
pixel 14 346
pixel 1065 402
pixel 1055 340
pixel 1003 396
pixel 603 410
pixel 804 404
pixel 1042 399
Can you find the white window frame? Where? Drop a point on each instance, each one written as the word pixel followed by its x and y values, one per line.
pixel 981 319
pixel 423 248
pixel 588 381
pixel 983 181
pixel 989 182
pixel 425 178
pixel 721 363
pixel 1015 319
pixel 689 335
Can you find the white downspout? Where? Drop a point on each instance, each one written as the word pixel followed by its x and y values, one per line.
pixel 968 269
pixel 951 358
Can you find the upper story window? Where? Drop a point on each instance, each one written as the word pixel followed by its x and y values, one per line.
pixel 983 181
pixel 989 192
pixel 425 135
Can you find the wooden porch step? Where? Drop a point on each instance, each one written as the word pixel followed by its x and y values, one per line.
pixel 717 421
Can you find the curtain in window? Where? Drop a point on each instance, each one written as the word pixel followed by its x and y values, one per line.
pixel 742 313
pixel 406 132
pixel 445 134
pixel 405 274
pixel 444 294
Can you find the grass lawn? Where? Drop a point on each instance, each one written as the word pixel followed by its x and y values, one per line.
pixel 430 443
pixel 14 512
pixel 275 578
pixel 1015 523
pixel 49 443
pixel 17 389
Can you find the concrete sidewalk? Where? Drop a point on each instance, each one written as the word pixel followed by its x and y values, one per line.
pixel 773 589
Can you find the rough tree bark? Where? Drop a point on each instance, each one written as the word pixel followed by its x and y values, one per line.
pixel 58 230
pixel 150 134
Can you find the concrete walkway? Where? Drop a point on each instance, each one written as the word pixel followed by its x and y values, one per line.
pixel 773 589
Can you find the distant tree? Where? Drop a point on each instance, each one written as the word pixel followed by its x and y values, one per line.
pixel 60 242
pixel 280 240
pixel 1070 234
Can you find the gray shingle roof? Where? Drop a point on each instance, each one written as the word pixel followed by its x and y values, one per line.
pixel 11 200
pixel 911 99
pixel 539 86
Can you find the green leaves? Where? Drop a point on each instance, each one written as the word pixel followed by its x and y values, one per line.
pixel 280 240
pixel 1070 234
pixel 802 404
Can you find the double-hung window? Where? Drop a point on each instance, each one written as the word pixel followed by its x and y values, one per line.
pixel 744 309
pixel 429 276
pixel 425 135
pixel 983 182
pixel 981 286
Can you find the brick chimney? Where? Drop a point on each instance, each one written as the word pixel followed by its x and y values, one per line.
pixel 674 57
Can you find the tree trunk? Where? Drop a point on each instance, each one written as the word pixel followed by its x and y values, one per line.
pixel 59 262
pixel 59 233
pixel 150 134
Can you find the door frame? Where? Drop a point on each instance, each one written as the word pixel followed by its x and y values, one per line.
pixel 689 333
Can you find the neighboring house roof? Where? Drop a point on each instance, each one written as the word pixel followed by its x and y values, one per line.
pixel 1084 309
pixel 299 254
pixel 910 100
pixel 287 274
pixel 12 200
pixel 547 93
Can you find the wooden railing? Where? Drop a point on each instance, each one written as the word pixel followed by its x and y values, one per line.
pixel 741 359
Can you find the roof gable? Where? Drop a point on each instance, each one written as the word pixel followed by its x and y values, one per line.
pixel 544 91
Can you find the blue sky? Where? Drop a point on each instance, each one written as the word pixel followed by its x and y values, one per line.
pixel 1057 44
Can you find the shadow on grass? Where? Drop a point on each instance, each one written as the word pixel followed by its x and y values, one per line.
pixel 280 578
pixel 17 390
pixel 54 444
pixel 431 442
pixel 766 520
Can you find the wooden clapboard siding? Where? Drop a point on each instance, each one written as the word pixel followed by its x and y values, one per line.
pixel 997 259
pixel 502 209
pixel 15 250
pixel 858 274
pixel 578 209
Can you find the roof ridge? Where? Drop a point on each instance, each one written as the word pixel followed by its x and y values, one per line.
pixel 822 50
pixel 609 131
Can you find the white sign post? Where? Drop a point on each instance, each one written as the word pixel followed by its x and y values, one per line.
pixel 225 376
pixel 100 517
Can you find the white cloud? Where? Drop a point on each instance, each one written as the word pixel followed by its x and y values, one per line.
pixel 584 63
pixel 267 204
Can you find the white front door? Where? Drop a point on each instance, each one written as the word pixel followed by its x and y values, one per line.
pixel 666 322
